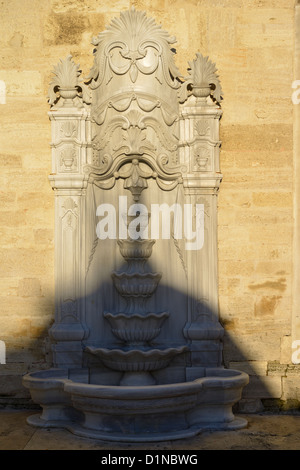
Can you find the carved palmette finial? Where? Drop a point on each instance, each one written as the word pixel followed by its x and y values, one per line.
pixel 133 44
pixel 202 80
pixel 67 83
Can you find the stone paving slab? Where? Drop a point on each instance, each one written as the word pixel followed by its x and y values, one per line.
pixel 264 432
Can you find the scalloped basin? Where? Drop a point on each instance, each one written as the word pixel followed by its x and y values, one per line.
pixel 136 249
pixel 136 284
pixel 136 327
pixel 136 364
pixel 137 413
pixel 136 359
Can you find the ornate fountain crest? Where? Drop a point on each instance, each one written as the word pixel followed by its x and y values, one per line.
pixel 134 83
pixel 133 44
pixel 137 349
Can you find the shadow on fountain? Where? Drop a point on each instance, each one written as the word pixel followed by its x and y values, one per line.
pixel 140 343
pixel 191 393
pixel 219 351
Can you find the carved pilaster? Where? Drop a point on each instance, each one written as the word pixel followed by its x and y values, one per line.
pixel 70 127
pixel 199 149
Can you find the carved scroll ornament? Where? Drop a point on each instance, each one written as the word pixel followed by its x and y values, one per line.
pixel 133 43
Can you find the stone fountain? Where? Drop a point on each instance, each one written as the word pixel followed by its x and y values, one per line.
pixel 136 327
pixel 137 343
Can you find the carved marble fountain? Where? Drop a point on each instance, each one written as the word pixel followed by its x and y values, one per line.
pixel 137 344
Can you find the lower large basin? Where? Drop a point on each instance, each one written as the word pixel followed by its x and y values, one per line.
pixel 137 413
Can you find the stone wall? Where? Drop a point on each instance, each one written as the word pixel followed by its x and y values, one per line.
pixel 252 43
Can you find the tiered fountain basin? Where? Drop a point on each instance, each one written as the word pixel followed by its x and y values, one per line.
pixel 136 328
pixel 136 249
pixel 137 413
pixel 138 363
pixel 136 284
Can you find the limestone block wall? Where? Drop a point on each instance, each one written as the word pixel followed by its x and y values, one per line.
pixel 252 43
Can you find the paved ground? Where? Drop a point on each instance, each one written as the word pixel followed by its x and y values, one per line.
pixel 264 432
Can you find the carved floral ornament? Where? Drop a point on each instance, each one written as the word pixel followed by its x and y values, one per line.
pixel 135 172
pixel 119 52
pixel 146 51
pixel 69 129
pixel 68 158
pixel 67 84
pixel 69 205
pixel 202 80
pixel 134 123
pixel 202 156
pixel 201 127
